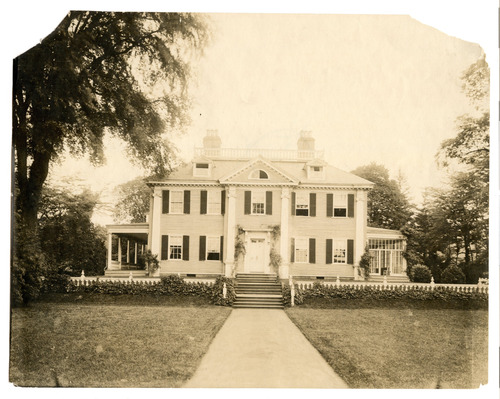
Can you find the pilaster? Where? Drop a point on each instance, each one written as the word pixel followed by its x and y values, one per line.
pixel 231 231
pixel 284 239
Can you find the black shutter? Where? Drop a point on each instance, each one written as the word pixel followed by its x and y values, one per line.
pixel 165 201
pixel 350 252
pixel 187 201
pixel 223 202
pixel 164 247
pixel 329 248
pixel 269 202
pixel 248 202
pixel 203 246
pixel 185 247
pixel 350 205
pixel 203 202
pixel 329 205
pixel 312 204
pixel 292 252
pixel 312 250
pixel 293 203
pixel 221 247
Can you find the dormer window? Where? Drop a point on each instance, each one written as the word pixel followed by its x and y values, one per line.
pixel 201 169
pixel 316 172
pixel 259 174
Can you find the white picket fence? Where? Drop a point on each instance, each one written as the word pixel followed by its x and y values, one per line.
pixel 84 280
pixel 387 286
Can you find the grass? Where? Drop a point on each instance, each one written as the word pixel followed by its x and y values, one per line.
pixel 91 344
pixel 400 348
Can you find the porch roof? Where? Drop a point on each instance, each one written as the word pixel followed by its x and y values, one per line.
pixel 132 230
pixel 377 232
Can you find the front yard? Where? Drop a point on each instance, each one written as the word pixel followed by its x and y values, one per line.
pixel 110 345
pixel 400 348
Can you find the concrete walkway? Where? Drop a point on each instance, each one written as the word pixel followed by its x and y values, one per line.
pixel 260 348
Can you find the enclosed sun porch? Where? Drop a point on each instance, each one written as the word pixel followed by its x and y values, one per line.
pixel 126 243
pixel 386 248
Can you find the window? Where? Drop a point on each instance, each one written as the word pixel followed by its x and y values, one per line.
pixel 213 248
pixel 214 203
pixel 386 256
pixel 176 201
pixel 339 251
pixel 201 169
pixel 301 250
pixel 302 204
pixel 340 205
pixel 175 248
pixel 259 174
pixel 258 202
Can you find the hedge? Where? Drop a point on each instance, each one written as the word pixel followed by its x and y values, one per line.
pixel 172 285
pixel 367 292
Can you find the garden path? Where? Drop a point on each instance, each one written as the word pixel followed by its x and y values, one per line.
pixel 262 348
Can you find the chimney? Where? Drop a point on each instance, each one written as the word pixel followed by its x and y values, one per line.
pixel 212 140
pixel 305 141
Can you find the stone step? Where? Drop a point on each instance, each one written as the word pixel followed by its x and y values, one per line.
pixel 258 306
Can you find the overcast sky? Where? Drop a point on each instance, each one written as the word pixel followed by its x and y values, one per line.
pixel 371 88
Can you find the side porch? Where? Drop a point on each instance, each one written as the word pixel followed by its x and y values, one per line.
pixel 386 249
pixel 126 243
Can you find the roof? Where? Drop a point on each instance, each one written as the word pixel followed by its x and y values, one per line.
pixel 295 170
pixel 383 233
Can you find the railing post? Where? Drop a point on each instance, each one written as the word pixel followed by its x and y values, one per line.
pixel 432 284
pixel 82 277
pixel 385 281
pixel 224 291
pixel 337 282
pixel 130 276
pixel 292 291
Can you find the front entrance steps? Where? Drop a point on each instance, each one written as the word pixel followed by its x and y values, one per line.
pixel 258 291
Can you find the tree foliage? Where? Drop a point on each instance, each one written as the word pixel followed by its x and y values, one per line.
pixel 133 201
pixel 101 72
pixel 69 240
pixel 388 205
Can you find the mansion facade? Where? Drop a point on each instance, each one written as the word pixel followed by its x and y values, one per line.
pixel 236 211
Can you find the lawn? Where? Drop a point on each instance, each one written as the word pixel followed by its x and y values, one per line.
pixel 400 348
pixel 110 345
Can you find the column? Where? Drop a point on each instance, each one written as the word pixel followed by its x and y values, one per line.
pixel 135 253
pixel 110 251
pixel 361 220
pixel 284 237
pixel 128 251
pixel 155 223
pixel 120 252
pixel 231 230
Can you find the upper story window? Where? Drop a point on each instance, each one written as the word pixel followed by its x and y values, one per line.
pixel 340 205
pixel 258 202
pixel 176 201
pixel 302 204
pixel 201 169
pixel 214 202
pixel 259 174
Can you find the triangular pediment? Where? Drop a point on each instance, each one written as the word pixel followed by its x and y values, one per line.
pixel 259 171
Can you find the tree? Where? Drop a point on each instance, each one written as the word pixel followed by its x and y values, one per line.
pixel 69 240
pixel 125 74
pixel 388 205
pixel 133 201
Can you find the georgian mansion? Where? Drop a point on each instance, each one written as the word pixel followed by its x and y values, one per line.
pixel 233 211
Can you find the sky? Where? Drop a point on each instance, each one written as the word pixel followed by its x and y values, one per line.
pixel 370 88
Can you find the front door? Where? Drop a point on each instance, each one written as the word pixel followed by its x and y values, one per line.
pixel 255 255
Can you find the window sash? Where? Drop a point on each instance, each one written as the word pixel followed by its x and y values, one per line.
pixel 213 248
pixel 176 201
pixel 175 248
pixel 302 204
pixel 339 251
pixel 301 250
pixel 340 205
pixel 258 202
pixel 213 203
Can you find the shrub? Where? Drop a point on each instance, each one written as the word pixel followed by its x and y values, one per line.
pixel 56 281
pixel 453 275
pixel 364 263
pixel 420 274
